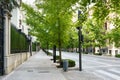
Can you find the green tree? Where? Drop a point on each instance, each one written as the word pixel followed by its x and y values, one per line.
pixel 53 17
pixel 101 11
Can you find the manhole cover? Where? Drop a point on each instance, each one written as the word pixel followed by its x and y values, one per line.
pixel 29 70
pixel 43 71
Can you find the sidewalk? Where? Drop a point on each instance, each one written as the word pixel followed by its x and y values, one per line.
pixel 38 67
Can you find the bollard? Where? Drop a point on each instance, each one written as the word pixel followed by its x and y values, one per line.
pixel 65 65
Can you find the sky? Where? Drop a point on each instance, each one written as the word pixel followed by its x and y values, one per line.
pixel 28 1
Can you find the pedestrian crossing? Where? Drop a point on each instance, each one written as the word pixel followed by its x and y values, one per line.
pixel 108 74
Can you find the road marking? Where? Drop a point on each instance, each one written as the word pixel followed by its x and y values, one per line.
pixel 102 66
pixel 109 74
pixel 114 70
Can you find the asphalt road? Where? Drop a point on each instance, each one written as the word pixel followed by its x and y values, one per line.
pixel 105 67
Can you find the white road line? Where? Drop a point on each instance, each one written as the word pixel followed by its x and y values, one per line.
pixel 109 74
pixel 100 66
pixel 114 70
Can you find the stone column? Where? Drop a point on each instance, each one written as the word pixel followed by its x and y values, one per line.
pixel 7 38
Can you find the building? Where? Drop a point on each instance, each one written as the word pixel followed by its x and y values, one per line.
pixel 9 61
pixel 17 19
pixel 110 48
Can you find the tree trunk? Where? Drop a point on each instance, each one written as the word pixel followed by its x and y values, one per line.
pixel 86 50
pixel 93 50
pixel 59 42
pixel 47 46
pixel 76 50
pixel 72 47
pixel 54 53
pixel 100 49
pixel 83 50
pixel 60 59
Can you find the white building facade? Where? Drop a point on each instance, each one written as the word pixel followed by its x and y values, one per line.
pixel 18 20
pixel 11 61
pixel 110 48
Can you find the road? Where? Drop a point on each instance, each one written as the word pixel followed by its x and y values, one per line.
pixel 104 67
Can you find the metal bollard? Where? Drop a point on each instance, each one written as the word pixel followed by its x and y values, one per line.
pixel 65 65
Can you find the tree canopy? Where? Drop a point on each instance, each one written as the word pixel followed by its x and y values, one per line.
pixel 101 14
pixel 51 21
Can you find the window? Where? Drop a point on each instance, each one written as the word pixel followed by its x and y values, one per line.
pixel 19 23
pixel 116 51
pixel 110 52
pixel 90 50
pixel 98 50
pixel 103 50
pixel 22 28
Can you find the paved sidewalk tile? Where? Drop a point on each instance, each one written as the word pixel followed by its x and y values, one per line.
pixel 38 67
pixel 75 74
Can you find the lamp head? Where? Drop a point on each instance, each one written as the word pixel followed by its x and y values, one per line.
pixel 79 27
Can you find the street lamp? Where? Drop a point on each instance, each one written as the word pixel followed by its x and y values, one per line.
pixel 80 46
pixel 80 42
pixel 30 42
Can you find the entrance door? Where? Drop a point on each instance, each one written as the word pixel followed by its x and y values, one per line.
pixel 1 42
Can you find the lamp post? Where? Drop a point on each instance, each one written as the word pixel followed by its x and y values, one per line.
pixel 30 42
pixel 80 42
